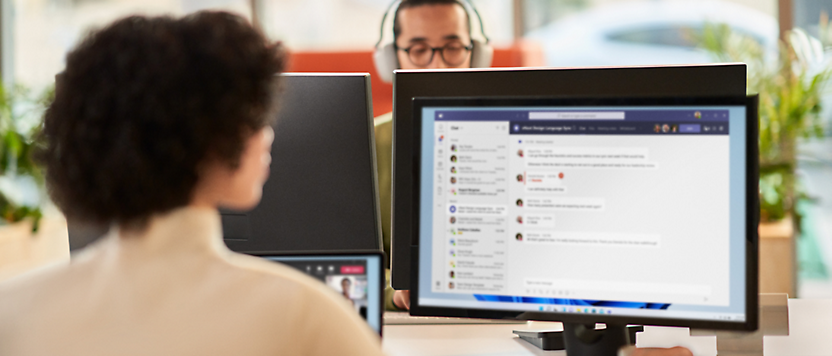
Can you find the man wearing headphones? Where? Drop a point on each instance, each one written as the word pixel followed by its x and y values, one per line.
pixel 427 34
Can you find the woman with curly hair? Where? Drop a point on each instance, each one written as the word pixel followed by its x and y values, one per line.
pixel 156 123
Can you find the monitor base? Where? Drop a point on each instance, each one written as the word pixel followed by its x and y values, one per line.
pixel 774 321
pixel 553 339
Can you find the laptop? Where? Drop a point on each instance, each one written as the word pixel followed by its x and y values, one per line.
pixel 356 275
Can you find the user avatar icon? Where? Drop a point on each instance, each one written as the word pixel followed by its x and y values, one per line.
pixel 520 178
pixel 453 158
pixel 453 208
pixel 450 285
pixel 520 202
pixel 519 219
pixel 657 128
pixel 697 115
pixel 518 237
pixel 665 128
pixel 453 180
pixel 520 153
pixel 674 128
pixel 453 148
pixel 453 219
pixel 452 274
pixel 453 169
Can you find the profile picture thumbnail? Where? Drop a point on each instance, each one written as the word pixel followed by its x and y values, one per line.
pixel 520 178
pixel 697 115
pixel 674 128
pixel 450 285
pixel 453 148
pixel 519 219
pixel 665 128
pixel 453 275
pixel 518 237
pixel 453 158
pixel 453 180
pixel 657 128
pixel 453 219
pixel 453 169
pixel 520 202
pixel 520 153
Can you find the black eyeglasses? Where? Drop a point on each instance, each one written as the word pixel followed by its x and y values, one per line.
pixel 453 54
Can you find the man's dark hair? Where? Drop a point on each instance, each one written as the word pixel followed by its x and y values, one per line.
pixel 397 29
pixel 146 101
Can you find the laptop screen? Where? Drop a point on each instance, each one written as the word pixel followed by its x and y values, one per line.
pixel 357 277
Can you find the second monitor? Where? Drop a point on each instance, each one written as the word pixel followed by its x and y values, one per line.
pixel 321 194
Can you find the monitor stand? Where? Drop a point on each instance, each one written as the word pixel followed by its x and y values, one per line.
pixel 580 339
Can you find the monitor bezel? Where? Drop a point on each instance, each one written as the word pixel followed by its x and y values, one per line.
pixel 343 253
pixel 752 210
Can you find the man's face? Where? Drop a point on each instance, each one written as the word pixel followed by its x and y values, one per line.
pixel 436 26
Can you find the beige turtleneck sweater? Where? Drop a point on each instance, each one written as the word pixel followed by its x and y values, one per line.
pixel 175 289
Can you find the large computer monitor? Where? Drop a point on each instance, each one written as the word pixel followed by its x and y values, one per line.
pixel 619 211
pixel 322 192
pixel 685 80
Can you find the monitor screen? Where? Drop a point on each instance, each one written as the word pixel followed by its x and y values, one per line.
pixel 357 277
pixel 618 208
pixel 723 79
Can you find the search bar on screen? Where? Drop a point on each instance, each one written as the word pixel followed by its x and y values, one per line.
pixel 576 115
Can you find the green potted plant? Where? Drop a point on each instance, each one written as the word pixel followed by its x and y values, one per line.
pixel 791 82
pixel 21 180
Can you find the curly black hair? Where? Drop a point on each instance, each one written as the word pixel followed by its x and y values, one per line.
pixel 144 102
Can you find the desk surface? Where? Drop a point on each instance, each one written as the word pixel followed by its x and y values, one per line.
pixel 810 323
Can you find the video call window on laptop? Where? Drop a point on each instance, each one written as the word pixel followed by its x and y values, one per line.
pixel 356 276
pixel 609 210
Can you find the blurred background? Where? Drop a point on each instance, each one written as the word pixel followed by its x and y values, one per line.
pixel 339 35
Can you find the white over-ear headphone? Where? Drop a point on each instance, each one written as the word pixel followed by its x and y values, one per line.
pixel 385 57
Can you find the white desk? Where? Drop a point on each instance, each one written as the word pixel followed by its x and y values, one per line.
pixel 810 333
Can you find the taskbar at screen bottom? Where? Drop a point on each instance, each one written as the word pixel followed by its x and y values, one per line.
pixel 646 310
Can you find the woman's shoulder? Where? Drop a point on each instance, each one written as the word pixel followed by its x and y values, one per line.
pixel 285 280
pixel 319 309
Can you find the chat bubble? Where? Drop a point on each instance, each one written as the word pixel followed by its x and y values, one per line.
pixel 539 220
pixel 478 209
pixel 588 158
pixel 566 204
pixel 590 239
pixel 544 182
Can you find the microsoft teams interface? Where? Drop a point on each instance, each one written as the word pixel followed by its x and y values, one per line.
pixel 609 210
pixel 356 278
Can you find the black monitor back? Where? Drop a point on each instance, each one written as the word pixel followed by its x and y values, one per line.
pixel 321 194
pixel 688 80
